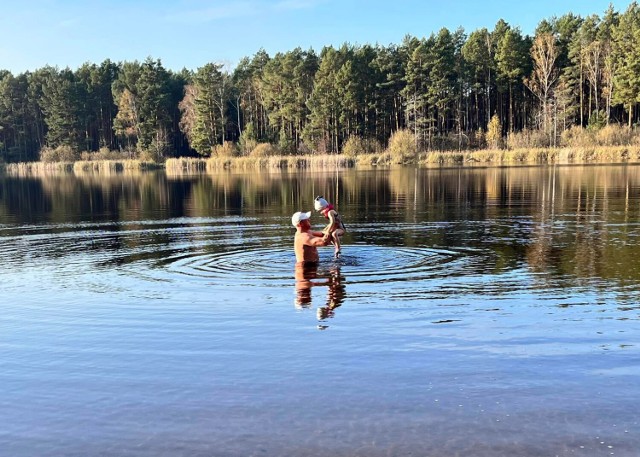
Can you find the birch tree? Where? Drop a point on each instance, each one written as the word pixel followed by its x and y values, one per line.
pixel 545 74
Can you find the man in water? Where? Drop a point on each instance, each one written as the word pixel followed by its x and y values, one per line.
pixel 306 241
pixel 306 244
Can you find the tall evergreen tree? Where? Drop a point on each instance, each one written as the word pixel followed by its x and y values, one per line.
pixel 18 124
pixel 512 63
pixel 626 57
pixel 247 78
pixel 325 104
pixel 477 52
pixel 64 108
pixel 143 96
pixel 204 109
pixel 389 66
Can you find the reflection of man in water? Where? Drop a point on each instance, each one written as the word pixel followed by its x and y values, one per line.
pixel 304 276
pixel 307 276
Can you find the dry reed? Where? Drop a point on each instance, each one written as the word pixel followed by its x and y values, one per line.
pixel 519 156
pixel 39 168
pixel 309 162
pixel 79 167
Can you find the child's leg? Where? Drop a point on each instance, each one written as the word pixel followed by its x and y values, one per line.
pixel 336 241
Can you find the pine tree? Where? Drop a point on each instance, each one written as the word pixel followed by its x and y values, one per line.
pixel 626 58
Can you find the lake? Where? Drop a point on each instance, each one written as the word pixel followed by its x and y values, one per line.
pixel 475 312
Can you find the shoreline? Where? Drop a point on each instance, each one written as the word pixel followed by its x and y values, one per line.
pixel 588 155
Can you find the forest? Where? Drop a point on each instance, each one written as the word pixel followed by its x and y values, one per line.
pixel 451 91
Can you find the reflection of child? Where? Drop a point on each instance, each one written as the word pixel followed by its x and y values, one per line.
pixel 335 228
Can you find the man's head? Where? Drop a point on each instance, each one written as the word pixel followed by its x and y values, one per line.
pixel 320 203
pixel 299 217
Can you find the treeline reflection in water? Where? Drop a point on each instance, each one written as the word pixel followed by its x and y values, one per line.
pixel 575 220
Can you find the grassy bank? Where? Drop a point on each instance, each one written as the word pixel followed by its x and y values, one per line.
pixel 212 164
pixel 79 167
pixel 489 157
pixel 532 156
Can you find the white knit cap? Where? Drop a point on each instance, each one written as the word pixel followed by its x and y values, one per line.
pixel 299 217
pixel 320 203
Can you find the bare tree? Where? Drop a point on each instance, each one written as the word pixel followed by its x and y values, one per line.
pixel 545 74
pixel 607 79
pixel 187 108
pixel 594 57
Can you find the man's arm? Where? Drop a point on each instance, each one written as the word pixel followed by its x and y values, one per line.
pixel 316 239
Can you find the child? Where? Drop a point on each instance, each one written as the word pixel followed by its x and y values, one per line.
pixel 335 228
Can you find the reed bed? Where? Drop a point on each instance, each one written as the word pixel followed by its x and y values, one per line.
pixel 488 157
pixel 79 167
pixel 39 168
pixel 113 166
pixel 185 165
pixel 306 162
pixel 533 156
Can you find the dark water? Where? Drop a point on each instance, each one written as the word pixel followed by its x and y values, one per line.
pixel 489 312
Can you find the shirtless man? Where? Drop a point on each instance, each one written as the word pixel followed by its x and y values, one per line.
pixel 306 240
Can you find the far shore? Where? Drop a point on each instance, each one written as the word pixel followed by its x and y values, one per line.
pixel 433 159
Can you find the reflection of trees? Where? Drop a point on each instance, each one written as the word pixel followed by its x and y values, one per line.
pixel 577 209
pixel 572 220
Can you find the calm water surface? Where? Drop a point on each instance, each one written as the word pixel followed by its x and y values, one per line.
pixel 487 312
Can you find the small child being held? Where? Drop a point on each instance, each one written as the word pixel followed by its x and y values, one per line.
pixel 335 228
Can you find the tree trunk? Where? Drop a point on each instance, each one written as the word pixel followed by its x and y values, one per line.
pixel 511 108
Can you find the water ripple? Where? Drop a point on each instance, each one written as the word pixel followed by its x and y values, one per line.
pixel 362 264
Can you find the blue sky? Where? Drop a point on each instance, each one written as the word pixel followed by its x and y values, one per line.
pixel 191 33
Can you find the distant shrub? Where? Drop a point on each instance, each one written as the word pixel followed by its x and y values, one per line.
pixel 576 136
pixel 107 154
pixel 450 142
pixel 104 153
pixel 614 135
pixel 494 133
pixel 264 150
pixel 356 145
pixel 247 141
pixel 478 139
pixel 228 149
pixel 527 138
pixel 609 135
pixel 353 146
pixel 146 155
pixel 286 145
pixel 597 120
pixel 60 154
pixel 304 149
pixel 402 147
pixel 373 146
